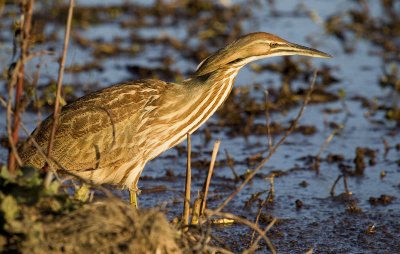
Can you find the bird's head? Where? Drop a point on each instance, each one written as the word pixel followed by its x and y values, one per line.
pixel 252 47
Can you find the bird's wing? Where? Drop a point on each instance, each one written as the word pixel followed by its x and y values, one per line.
pixel 89 126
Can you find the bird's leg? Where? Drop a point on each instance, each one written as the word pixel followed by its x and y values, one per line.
pixel 134 190
pixel 133 197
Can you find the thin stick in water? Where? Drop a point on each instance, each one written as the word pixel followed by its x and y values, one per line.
pixel 275 147
pixel 25 26
pixel 268 119
pixel 210 171
pixel 249 224
pixel 57 107
pixel 186 204
pixel 229 162
pixel 332 192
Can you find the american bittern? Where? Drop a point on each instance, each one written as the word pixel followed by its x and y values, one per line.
pixel 108 136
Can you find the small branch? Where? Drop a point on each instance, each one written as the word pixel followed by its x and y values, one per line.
pixel 317 159
pixel 332 192
pixel 196 211
pixel 270 246
pixel 186 204
pixel 25 28
pixel 57 108
pixel 13 154
pixel 386 146
pixel 39 149
pixel 271 193
pixel 268 119
pixel 269 198
pixel 210 172
pixel 346 188
pixel 229 162
pixel 247 223
pixel 274 148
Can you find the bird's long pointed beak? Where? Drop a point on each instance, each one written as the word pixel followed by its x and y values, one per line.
pixel 295 49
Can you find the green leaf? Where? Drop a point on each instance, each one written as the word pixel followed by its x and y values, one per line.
pixel 82 194
pixel 10 208
pixel 5 174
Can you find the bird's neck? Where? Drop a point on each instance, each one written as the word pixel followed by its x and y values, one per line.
pixel 189 104
pixel 206 93
pixel 220 79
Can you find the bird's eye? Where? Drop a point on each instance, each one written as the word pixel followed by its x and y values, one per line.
pixel 273 45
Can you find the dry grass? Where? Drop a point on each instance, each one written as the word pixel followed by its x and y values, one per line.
pixel 109 226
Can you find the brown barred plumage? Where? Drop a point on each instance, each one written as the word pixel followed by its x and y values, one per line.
pixel 108 136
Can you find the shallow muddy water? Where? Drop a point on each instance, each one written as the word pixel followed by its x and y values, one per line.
pixel 167 46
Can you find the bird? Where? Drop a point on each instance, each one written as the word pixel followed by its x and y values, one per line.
pixel 109 135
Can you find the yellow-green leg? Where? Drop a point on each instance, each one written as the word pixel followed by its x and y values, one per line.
pixel 133 198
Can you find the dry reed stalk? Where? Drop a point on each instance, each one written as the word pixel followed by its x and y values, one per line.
pixel 332 192
pixel 271 194
pixel 315 165
pixel 268 120
pixel 230 165
pixel 210 172
pixel 310 251
pixel 25 28
pixel 57 107
pixel 269 198
pixel 346 188
pixel 13 154
pixel 212 249
pixel 196 211
pixel 186 205
pixel 274 148
pixel 253 247
pixel 247 223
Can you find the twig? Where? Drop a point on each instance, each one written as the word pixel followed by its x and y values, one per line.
pixel 39 149
pixel 13 154
pixel 186 205
pixel 274 148
pixel 245 222
pixel 230 165
pixel 254 245
pixel 210 172
pixel 386 146
pixel 332 192
pixel 322 149
pixel 60 77
pixel 212 249
pixel 269 198
pixel 25 29
pixel 310 251
pixel 8 104
pixel 196 211
pixel 57 107
pixel 271 194
pixel 346 188
pixel 268 119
